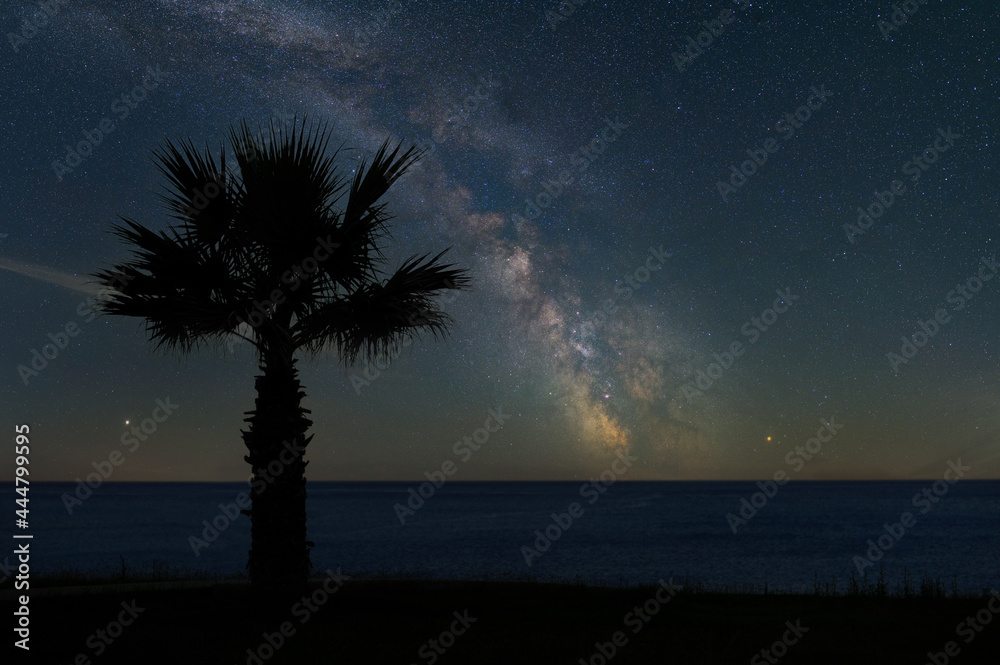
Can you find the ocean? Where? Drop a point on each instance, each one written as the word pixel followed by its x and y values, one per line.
pixel 632 533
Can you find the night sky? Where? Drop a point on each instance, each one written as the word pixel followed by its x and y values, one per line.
pixel 587 171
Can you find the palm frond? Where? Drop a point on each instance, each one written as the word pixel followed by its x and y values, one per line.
pixel 266 246
pixel 200 196
pixel 376 319
pixel 184 294
pixel 362 224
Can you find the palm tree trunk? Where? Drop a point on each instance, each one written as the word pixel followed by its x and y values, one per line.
pixel 279 553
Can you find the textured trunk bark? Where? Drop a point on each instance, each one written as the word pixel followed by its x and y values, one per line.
pixel 279 555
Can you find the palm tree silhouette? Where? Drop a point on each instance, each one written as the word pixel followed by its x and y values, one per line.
pixel 265 256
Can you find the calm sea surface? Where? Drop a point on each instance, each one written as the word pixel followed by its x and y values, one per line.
pixel 636 532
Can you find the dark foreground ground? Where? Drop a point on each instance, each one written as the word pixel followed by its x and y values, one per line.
pixel 395 621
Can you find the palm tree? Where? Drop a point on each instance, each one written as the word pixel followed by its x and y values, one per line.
pixel 265 255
